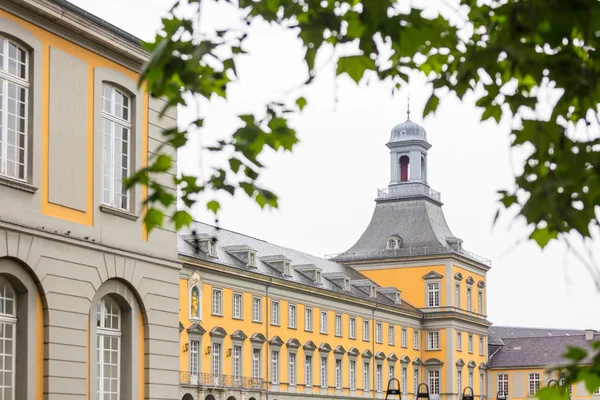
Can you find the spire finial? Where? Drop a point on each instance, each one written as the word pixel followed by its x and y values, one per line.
pixel 408 107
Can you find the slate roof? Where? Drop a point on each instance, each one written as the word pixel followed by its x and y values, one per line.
pixel 514 347
pixel 408 130
pixel 227 238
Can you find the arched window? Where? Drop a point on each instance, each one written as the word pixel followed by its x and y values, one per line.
pixel 109 348
pixel 423 169
pixel 404 168
pixel 195 302
pixel 14 88
pixel 8 322
pixel 116 146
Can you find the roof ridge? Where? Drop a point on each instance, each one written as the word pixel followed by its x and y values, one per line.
pixel 533 327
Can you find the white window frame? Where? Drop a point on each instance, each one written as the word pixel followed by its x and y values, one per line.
pixel 115 122
pixel 459 383
pixel 323 371
pixel 338 325
pixel 404 380
pixel 378 378
pixel 114 333
pixel 366 376
pixel 458 341
pixel 275 311
pixel 378 332
pixel 471 378
pixel 352 327
pixel 433 377
pixel 308 319
pixel 236 356
pixel 292 316
pixel 415 339
pixel 457 294
pixel 275 366
pixel 323 322
pixel 215 359
pixel 433 294
pixel 481 388
pixel 238 305
pixel 256 357
pixel 338 373
pixel 391 335
pixel 416 380
pixel 391 371
pixel 502 382
pixel 256 309
pixel 480 302
pixel 481 346
pixel 292 368
pixel 404 338
pixel 308 370
pixel 469 299
pixel 7 79
pixel 470 343
pixel 534 383
pixel 366 330
pixel 352 374
pixel 433 340
pixel 217 302
pixel 194 358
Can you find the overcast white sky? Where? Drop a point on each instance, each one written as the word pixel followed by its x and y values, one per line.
pixel 327 186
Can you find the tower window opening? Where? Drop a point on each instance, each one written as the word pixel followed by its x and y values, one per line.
pixel 423 169
pixel 404 168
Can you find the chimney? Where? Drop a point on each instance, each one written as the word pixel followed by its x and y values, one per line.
pixel 589 334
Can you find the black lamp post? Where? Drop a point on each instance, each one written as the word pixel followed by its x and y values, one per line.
pixel 423 394
pixel 467 393
pixel 393 389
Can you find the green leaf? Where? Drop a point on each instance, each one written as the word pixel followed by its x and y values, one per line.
pixel 213 206
pixel 153 218
pixel 574 353
pixel 355 66
pixel 301 103
pixel 590 378
pixel 431 105
pixel 163 163
pixel 542 236
pixel 552 393
pixel 235 164
pixel 492 111
pixel 182 218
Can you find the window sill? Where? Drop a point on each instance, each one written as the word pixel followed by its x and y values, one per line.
pixel 118 212
pixel 352 338
pixel 308 330
pixel 272 324
pixel 16 184
pixel 292 327
pixel 238 318
pixel 217 315
pixel 256 322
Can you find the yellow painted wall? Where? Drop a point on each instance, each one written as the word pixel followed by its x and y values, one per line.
pixel 94 60
pixel 249 328
pixel 409 280
pixel 463 288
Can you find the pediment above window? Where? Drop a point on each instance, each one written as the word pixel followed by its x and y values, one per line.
pixel 239 335
pixel 417 361
pixel 218 332
pixel 472 364
pixel 482 366
pixel 405 360
pixel 293 343
pixel 380 355
pixel 258 338
pixel 392 357
pixel 276 341
pixel 367 354
pixel 460 363
pixel 325 348
pixel 353 351
pixel 470 280
pixel 433 362
pixel 310 345
pixel 195 329
pixel 458 276
pixel 339 350
pixel 481 284
pixel 432 275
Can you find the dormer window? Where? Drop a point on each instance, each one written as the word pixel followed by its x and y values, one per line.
pixel 347 285
pixel 397 299
pixel 212 248
pixel 251 259
pixel 373 292
pixel 318 277
pixel 287 270
pixel 393 242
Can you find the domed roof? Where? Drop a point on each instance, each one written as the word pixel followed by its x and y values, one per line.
pixel 408 130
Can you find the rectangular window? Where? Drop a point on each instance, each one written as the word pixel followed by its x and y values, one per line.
pixel 416 339
pixel 480 302
pixel 457 295
pixel 378 333
pixel 352 373
pixel 459 341
pixel 216 359
pixel 434 382
pixel 481 388
pixel 274 312
pixel 256 309
pixel 352 328
pixel 469 305
pixel 324 372
pixel 366 376
pixel 256 363
pixel 274 367
pixel 108 362
pixel 217 302
pixel 562 382
pixel 379 378
pixel 391 335
pixel 338 325
pixel 459 383
pixel 237 361
pixel 404 380
pixel 416 380
pixel 292 368
pixel 237 306
pixel 338 374
pixel 471 378
pixel 433 294
pixel 433 340
pixel 308 322
pixel 391 371
pixel 324 322
pixel 470 343
pixel 366 334
pixel 534 383
pixel 502 385
pixel 292 316
pixel 404 338
pixel 116 146
pixel 14 104
pixel 308 371
pixel 481 346
pixel 194 359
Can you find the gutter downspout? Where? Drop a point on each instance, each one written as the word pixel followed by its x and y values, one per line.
pixel 268 352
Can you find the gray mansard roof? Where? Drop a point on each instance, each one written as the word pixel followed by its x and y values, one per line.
pixel 226 239
pixel 514 347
